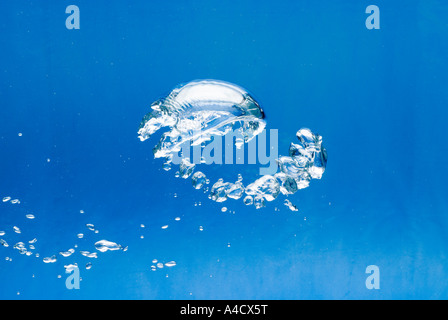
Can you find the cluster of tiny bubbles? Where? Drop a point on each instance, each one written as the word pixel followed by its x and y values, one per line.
pixel 28 247
pixel 163 227
pixel 156 264
pixel 11 200
pixel 306 161
pixel 91 227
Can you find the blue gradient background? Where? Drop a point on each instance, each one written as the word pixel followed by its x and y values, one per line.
pixel 378 98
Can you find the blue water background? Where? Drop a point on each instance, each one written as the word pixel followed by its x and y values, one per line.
pixel 378 98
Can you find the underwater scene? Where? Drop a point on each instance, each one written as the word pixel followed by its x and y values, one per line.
pixel 214 150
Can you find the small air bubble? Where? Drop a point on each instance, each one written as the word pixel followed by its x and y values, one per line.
pixel 170 264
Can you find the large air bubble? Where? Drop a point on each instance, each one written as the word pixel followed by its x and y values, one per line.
pixel 201 110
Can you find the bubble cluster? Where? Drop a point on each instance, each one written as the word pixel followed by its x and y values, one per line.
pixel 160 265
pixel 199 110
pixel 29 247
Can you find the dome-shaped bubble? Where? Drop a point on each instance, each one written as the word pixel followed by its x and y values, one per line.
pixel 199 109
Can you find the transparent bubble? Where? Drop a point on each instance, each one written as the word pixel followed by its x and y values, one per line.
pixel 199 111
